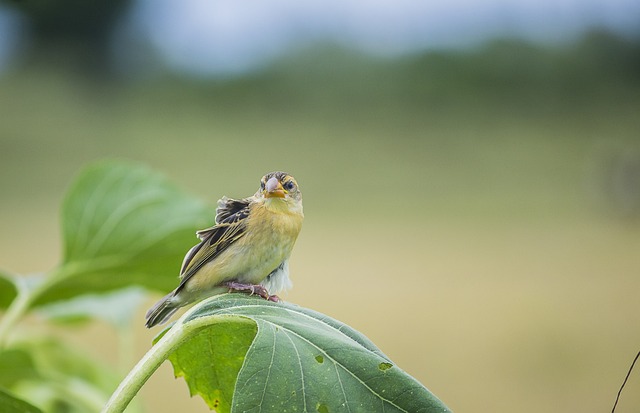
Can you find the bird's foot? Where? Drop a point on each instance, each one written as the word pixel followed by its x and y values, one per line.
pixel 256 289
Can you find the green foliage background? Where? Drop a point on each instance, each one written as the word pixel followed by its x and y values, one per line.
pixel 238 352
pixel 465 210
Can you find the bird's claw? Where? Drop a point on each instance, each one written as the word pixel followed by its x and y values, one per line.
pixel 254 289
pixel 273 298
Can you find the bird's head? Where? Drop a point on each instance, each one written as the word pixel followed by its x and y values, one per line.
pixel 279 186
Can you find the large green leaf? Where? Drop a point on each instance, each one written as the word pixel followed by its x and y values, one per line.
pixel 124 224
pixel 11 404
pixel 211 360
pixel 296 360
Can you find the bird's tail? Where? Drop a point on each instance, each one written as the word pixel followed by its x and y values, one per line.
pixel 161 311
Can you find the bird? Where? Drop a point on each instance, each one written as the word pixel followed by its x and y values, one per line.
pixel 247 249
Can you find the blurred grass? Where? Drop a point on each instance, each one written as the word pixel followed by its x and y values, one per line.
pixel 458 204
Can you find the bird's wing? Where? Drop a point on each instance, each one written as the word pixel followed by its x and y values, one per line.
pixel 214 241
pixel 230 208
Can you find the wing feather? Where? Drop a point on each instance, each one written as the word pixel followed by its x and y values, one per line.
pixel 230 226
pixel 228 208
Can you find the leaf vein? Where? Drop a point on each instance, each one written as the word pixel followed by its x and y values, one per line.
pixel 266 382
pixel 91 206
pixel 319 321
pixel 304 396
pixel 336 362
pixel 344 395
pixel 118 215
pixel 158 235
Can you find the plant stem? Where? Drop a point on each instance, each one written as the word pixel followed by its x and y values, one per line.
pixel 28 295
pixel 16 310
pixel 136 378
pixel 126 346
pixel 150 362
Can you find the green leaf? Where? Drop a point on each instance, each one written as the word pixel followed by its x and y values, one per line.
pixel 8 289
pixel 297 360
pixel 221 350
pixel 115 307
pixel 49 373
pixel 11 404
pixel 16 365
pixel 54 358
pixel 124 224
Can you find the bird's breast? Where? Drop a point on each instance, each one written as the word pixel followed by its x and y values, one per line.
pixel 273 229
pixel 268 241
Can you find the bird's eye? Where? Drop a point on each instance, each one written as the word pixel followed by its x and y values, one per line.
pixel 261 184
pixel 289 186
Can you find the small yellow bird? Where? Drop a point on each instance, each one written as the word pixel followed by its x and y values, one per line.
pixel 247 249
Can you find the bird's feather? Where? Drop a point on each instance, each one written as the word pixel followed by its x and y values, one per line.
pixel 214 241
pixel 231 210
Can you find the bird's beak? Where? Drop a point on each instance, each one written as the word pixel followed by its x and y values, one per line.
pixel 274 189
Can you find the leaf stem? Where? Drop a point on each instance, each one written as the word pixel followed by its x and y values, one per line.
pixel 136 378
pixel 18 307
pixel 150 362
pixel 27 295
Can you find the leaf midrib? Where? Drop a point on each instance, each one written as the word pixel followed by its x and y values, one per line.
pixel 227 311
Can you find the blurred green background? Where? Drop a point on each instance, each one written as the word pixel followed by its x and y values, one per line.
pixel 475 212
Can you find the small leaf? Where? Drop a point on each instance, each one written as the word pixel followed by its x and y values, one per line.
pixel 298 360
pixel 16 365
pixel 8 289
pixel 124 224
pixel 11 404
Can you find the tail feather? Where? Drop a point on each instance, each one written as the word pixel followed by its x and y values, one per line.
pixel 161 311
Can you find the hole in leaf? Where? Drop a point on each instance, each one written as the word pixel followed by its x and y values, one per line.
pixel 216 403
pixel 322 408
pixel 319 358
pixel 384 366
